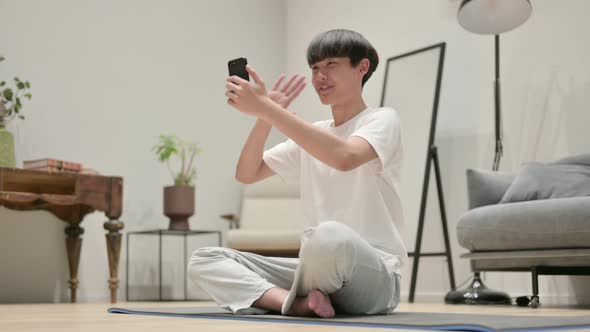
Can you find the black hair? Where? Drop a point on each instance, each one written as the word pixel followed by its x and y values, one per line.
pixel 341 43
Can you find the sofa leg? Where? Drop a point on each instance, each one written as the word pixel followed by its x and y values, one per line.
pixel 535 298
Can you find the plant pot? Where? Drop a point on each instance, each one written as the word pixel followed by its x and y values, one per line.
pixel 179 205
pixel 7 158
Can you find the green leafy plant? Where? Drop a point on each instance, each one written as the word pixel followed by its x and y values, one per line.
pixel 11 99
pixel 169 146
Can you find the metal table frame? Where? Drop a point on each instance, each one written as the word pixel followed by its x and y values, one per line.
pixel 160 233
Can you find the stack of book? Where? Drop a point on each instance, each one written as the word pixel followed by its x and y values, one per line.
pixel 53 165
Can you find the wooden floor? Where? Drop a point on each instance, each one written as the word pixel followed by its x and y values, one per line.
pixel 94 317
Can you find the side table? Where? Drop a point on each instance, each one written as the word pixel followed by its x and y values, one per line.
pixel 160 233
pixel 70 197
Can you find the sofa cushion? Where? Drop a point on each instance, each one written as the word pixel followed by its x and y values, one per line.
pixel 581 159
pixel 543 181
pixel 247 240
pixel 271 214
pixel 486 187
pixel 542 224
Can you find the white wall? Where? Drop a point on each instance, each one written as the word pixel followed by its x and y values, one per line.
pixel 545 86
pixel 107 78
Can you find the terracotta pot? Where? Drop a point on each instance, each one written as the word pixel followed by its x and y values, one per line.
pixel 179 205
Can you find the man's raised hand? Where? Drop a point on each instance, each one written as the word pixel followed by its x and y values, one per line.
pixel 284 93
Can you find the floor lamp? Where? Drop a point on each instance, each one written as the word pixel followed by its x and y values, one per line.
pixel 490 17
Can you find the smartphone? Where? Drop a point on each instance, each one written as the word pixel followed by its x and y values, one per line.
pixel 237 67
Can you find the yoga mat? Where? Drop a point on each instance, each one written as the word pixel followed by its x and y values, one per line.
pixel 397 320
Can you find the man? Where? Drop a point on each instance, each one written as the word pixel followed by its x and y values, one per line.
pixel 348 169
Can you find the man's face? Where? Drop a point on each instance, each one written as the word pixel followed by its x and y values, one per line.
pixel 336 81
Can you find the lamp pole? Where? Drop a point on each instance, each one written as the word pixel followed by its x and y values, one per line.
pixel 490 17
pixel 497 106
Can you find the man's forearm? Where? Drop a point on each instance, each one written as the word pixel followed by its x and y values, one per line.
pixel 328 148
pixel 251 156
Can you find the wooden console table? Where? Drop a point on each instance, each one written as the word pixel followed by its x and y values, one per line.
pixel 70 197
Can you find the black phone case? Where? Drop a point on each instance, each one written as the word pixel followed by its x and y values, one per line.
pixel 237 67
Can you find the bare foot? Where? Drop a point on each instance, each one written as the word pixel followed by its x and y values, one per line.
pixel 320 304
pixel 314 304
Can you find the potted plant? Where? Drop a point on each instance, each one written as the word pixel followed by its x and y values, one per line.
pixel 179 199
pixel 11 99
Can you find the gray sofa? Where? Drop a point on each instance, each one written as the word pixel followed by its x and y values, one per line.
pixel 546 236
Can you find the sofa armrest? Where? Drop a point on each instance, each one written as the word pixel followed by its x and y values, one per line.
pixel 233 219
pixel 486 187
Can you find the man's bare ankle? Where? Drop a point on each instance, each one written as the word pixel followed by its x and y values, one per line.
pixel 272 299
pixel 300 308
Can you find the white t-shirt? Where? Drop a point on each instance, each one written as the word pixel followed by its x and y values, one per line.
pixel 365 198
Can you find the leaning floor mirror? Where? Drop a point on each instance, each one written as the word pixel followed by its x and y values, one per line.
pixel 412 87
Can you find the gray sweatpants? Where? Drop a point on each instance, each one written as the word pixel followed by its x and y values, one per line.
pixel 333 258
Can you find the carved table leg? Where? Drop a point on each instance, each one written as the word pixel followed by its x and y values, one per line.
pixel 73 245
pixel 113 238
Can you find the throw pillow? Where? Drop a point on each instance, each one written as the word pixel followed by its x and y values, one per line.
pixel 544 181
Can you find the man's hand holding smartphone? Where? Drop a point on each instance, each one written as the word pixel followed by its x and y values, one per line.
pixel 247 97
pixel 282 93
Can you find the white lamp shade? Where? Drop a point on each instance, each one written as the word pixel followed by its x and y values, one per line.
pixel 493 16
